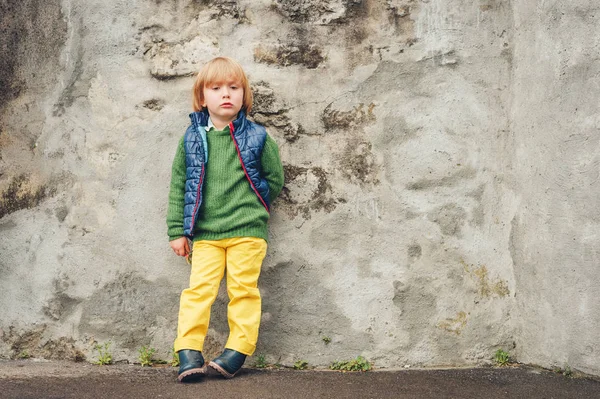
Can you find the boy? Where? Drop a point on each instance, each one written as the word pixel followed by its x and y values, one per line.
pixel 225 174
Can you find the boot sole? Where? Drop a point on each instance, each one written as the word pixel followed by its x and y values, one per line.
pixel 221 370
pixel 192 375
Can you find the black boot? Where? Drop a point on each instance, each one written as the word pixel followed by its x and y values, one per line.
pixel 228 363
pixel 191 365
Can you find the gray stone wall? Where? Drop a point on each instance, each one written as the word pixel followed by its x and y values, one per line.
pixel 435 152
pixel 555 164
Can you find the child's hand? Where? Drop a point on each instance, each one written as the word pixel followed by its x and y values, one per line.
pixel 180 246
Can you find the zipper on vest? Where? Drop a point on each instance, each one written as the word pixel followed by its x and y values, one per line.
pixel 198 194
pixel 244 167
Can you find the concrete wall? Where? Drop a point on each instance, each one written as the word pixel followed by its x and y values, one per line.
pixel 555 163
pixel 409 227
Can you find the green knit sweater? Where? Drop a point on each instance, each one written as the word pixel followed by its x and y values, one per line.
pixel 230 208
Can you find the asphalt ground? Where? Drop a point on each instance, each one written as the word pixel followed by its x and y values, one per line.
pixel 28 379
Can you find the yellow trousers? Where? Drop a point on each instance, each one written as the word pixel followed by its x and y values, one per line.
pixel 242 258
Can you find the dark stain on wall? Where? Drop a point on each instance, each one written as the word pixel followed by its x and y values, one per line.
pixel 13 33
pixel 356 8
pixel 127 307
pixel 264 98
pixel 165 76
pixel 322 199
pixel 357 163
pixel 24 343
pixel 182 9
pixel 415 298
pixel 291 172
pixel 321 195
pixel 359 115
pixel 154 104
pixel 74 87
pixel 33 33
pixel 477 213
pixel 450 218
pixel 31 343
pixel 302 11
pixel 315 311
pixel 414 251
pixel 226 8
pixel 286 54
pixel 61 302
pixel 267 111
pixel 400 15
pixel 21 193
pixel 356 34
pixel 5 226
pixel 451 180
pixel 318 11
pixel 61 213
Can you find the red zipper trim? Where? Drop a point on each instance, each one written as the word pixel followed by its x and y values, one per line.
pixel 244 167
pixel 198 194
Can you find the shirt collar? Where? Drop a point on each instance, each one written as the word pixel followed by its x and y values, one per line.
pixel 209 125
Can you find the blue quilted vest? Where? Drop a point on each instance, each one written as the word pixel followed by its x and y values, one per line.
pixel 249 139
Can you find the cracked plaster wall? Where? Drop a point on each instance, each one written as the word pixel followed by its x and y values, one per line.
pixel 407 223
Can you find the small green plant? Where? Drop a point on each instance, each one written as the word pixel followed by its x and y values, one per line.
pixel 261 361
pixel 300 365
pixel 358 364
pixel 566 371
pixel 174 358
pixel 146 355
pixel 23 355
pixel 326 339
pixel 501 357
pixel 104 355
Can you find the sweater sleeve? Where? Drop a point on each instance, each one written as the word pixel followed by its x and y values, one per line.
pixel 176 195
pixel 272 168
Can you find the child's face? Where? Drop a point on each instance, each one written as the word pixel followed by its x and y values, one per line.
pixel 224 100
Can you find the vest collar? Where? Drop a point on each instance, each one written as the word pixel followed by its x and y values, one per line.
pixel 200 118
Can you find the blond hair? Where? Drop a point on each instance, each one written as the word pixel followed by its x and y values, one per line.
pixel 221 70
